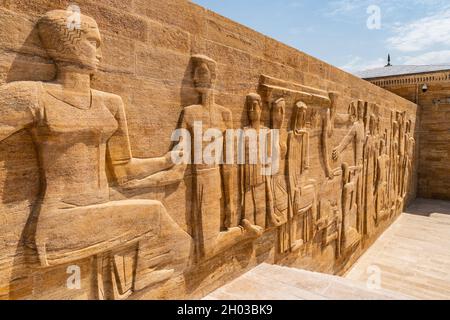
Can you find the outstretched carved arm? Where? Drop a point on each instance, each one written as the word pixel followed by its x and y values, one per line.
pixel 345 142
pixel 159 179
pixel 132 172
pixel 141 168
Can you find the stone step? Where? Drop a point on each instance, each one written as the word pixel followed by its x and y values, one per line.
pixel 271 282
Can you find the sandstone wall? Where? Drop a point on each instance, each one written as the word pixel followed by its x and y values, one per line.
pixel 434 167
pixel 433 170
pixel 147 49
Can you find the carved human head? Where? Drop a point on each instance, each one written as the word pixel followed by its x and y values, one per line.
pixel 278 113
pixel 204 73
pixel 401 118
pixel 300 115
pixel 254 107
pixel 71 46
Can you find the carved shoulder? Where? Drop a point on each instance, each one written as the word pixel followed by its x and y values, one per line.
pixel 191 113
pixel 21 90
pixel 20 107
pixel 112 101
pixel 21 96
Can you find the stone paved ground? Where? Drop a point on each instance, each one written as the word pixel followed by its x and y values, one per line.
pixel 270 282
pixel 412 258
pixel 413 255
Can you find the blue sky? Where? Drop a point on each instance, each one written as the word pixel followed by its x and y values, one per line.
pixel 336 31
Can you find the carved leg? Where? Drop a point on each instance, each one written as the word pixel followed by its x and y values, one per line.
pixel 164 256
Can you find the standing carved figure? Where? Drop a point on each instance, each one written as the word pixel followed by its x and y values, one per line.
pixel 350 237
pixel 357 136
pixel 212 182
pixel 279 200
pixel 394 169
pixel 253 179
pixel 410 146
pixel 401 119
pixel 327 133
pixel 370 163
pixel 302 190
pixel 78 133
pixel 382 181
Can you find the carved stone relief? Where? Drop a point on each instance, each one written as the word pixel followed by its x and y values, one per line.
pixel 337 178
pixel 209 178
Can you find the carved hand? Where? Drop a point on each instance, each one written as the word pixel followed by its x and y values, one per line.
pixel 160 179
pixel 172 155
pixel 336 152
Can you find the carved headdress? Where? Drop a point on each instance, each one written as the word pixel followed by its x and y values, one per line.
pixel 61 33
pixel 200 59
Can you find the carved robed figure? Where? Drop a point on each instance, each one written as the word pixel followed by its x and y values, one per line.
pixel 212 182
pixel 302 190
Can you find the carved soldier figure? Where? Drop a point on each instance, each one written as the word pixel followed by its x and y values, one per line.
pixel 208 179
pixel 301 189
pixel 78 133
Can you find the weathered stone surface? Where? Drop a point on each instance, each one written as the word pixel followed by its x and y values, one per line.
pixel 86 185
pixel 434 132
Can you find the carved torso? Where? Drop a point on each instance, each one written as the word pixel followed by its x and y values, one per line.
pixel 217 117
pixel 72 145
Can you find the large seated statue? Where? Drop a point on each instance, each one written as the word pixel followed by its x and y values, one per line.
pixel 79 133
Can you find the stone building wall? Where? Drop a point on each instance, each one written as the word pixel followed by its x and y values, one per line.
pixel 434 167
pixel 147 48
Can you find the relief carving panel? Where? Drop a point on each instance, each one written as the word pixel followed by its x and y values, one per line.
pixel 313 176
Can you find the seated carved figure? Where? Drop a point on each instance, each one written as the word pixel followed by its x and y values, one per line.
pixel 79 132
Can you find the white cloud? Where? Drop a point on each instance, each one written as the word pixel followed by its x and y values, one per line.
pixel 433 57
pixel 344 6
pixel 336 7
pixel 423 33
pixel 356 64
